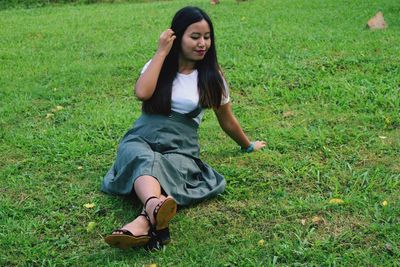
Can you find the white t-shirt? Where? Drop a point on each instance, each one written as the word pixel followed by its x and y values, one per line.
pixel 185 96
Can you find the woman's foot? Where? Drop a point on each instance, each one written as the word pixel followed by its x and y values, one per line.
pixel 133 234
pixel 138 227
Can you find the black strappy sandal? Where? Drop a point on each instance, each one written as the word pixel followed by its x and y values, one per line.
pixel 127 239
pixel 163 213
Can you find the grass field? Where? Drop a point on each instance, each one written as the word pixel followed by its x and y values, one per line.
pixel 305 75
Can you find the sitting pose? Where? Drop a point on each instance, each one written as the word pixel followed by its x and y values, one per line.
pixel 158 158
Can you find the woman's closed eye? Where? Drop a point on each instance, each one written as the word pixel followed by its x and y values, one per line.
pixel 197 36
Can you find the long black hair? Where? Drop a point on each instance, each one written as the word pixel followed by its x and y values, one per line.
pixel 210 82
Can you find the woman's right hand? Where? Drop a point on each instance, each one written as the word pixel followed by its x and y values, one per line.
pixel 165 42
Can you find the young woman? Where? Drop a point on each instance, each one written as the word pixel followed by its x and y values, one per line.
pixel 158 158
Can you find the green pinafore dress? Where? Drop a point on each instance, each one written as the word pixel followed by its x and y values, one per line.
pixel 165 147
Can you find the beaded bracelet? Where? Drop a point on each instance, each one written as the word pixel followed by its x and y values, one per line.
pixel 249 149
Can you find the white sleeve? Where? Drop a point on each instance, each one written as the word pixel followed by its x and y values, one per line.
pixel 145 67
pixel 225 98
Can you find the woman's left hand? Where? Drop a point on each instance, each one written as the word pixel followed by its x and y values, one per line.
pixel 259 145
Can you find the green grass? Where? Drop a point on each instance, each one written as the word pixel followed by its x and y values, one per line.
pixel 305 75
pixel 8 4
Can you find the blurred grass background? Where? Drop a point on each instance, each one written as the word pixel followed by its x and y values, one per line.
pixel 7 4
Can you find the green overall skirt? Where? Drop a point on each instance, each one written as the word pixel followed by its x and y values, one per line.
pixel 166 148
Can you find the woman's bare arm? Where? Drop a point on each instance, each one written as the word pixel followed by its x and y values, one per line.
pixel 146 84
pixel 231 126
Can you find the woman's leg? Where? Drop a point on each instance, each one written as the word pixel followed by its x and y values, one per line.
pixel 145 187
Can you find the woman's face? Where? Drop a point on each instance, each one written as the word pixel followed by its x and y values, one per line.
pixel 196 41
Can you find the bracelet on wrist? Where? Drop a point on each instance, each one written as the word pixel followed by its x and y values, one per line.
pixel 249 149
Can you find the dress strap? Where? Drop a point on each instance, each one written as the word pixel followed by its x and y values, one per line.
pixel 194 113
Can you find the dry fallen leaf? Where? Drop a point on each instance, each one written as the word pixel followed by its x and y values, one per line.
pixel 261 243
pixel 382 137
pixel 288 113
pixel 389 249
pixel 151 265
pixel 80 167
pixel 303 221
pixel 90 226
pixel 336 201
pixel 377 22
pixel 89 205
pixel 318 220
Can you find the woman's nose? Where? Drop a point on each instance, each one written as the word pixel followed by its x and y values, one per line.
pixel 201 42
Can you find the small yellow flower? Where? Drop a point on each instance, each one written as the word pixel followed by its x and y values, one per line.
pixel 57 108
pixel 384 203
pixel 388 121
pixel 336 201
pixel 49 115
pixel 261 243
pixel 90 227
pixel 89 205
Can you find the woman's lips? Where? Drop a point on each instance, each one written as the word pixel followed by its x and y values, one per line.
pixel 201 52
